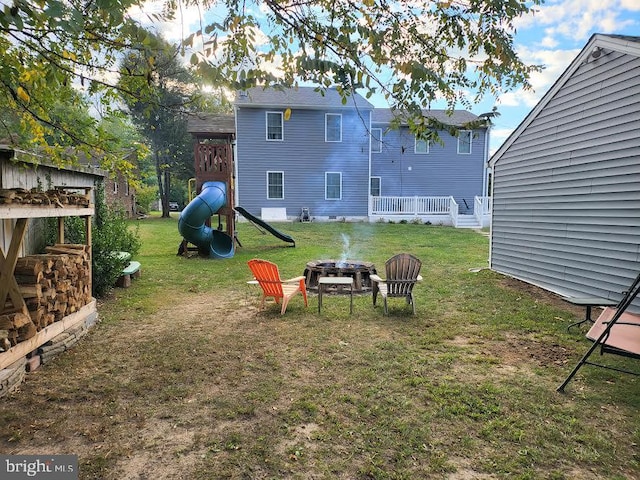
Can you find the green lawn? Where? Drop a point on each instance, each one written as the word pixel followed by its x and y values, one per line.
pixel 185 378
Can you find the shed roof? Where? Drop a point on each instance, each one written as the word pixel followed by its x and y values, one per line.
pixel 9 152
pixel 593 50
pixel 299 97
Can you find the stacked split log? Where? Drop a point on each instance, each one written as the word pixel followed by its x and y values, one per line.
pixel 55 197
pixel 53 285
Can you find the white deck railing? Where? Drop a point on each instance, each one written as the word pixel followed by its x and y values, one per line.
pixel 425 206
pixel 410 205
pixel 482 208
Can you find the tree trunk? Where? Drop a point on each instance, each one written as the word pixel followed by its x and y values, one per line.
pixel 164 195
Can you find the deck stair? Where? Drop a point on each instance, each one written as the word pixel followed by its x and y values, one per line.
pixel 467 221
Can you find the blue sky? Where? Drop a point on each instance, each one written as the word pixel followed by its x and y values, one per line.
pixel 552 36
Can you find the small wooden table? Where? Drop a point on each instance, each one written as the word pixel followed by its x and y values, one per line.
pixel 322 281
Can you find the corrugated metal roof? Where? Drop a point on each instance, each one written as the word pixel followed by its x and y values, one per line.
pixel 299 97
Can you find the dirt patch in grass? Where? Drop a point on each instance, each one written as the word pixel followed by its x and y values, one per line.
pixel 544 296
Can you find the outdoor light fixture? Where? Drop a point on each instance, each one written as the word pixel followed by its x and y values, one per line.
pixel 596 52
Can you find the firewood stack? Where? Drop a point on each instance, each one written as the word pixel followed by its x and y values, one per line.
pixel 53 285
pixel 55 197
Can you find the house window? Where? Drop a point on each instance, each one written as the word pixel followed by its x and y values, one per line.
pixel 275 127
pixel 332 127
pixel 333 186
pixel 115 186
pixel 275 185
pixel 464 141
pixel 376 140
pixel 374 186
pixel 126 188
pixel 421 146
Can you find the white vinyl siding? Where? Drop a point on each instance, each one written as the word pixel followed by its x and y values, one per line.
pixel 275 126
pixel 566 192
pixel 275 185
pixel 333 185
pixel 332 127
pixel 376 140
pixel 464 142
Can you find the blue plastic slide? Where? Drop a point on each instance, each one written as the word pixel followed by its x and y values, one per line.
pixel 193 229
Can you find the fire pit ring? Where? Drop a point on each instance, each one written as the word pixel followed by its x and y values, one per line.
pixel 358 270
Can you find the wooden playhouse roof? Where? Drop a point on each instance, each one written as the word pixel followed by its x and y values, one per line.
pixel 212 124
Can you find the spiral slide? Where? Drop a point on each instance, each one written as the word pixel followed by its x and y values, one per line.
pixel 193 229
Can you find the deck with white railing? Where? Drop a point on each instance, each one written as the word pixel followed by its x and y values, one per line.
pixel 443 210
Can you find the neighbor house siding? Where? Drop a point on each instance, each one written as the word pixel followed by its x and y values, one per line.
pixel 305 157
pixel 566 191
pixel 441 172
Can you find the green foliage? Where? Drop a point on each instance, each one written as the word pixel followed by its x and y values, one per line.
pixel 146 196
pixel 110 233
pixel 160 108
pixel 414 53
pixel 46 46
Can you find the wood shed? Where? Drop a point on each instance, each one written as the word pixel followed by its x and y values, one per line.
pixel 45 298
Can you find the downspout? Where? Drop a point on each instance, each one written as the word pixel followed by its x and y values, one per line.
pixel 485 170
pixel 493 182
pixel 369 175
pixel 234 146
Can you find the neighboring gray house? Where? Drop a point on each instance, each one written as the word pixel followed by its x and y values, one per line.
pixel 566 183
pixel 405 166
pixel 298 148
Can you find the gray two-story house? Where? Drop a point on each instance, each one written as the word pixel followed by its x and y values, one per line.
pixel 403 165
pixel 304 149
pixel 299 149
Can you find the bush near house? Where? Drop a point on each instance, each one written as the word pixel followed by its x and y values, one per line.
pixel 110 233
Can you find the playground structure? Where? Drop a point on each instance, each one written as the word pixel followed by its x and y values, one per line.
pixel 213 187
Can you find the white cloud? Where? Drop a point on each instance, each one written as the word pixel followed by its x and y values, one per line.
pixel 501 134
pixel 576 20
pixel 632 5
pixel 554 62
pixel 150 13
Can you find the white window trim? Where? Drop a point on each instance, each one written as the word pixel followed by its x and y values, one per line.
pixel 326 118
pixel 470 142
pixel 415 146
pixel 326 185
pixel 376 138
pixel 126 188
pixel 266 126
pixel 115 185
pixel 379 185
pixel 281 172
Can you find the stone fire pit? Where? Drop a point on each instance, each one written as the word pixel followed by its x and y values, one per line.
pixel 358 270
